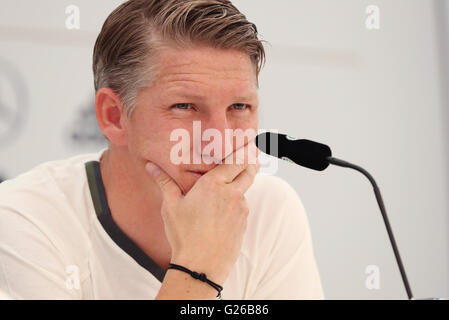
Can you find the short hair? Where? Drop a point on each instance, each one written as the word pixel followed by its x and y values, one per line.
pixel 124 57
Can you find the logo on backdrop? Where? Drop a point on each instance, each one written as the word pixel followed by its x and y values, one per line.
pixel 13 102
pixel 83 130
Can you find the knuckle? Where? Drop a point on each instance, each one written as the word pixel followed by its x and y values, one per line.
pixel 242 166
pixel 252 171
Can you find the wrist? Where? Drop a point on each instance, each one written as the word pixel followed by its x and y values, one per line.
pixel 178 285
pixel 214 272
pixel 198 276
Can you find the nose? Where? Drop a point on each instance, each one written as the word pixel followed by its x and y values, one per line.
pixel 214 144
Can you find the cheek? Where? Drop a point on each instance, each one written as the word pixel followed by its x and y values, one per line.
pixel 149 140
pixel 249 124
pixel 247 121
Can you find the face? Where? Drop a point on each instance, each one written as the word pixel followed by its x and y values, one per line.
pixel 213 86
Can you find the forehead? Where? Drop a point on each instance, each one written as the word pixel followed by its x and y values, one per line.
pixel 205 67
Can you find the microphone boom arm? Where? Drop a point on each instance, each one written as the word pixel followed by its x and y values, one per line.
pixel 345 164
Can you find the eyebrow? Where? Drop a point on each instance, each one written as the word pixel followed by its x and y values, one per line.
pixel 201 97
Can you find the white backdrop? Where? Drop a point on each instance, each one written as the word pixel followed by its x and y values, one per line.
pixel 377 97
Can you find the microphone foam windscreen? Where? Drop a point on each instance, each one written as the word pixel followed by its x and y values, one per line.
pixel 306 153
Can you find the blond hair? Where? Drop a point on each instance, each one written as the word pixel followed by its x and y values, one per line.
pixel 125 50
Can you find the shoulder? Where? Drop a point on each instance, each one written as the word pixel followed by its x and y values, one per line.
pixel 50 198
pixel 46 173
pixel 46 179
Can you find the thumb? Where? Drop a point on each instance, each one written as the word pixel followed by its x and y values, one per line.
pixel 167 185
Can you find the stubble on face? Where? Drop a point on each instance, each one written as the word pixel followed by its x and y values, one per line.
pixel 210 81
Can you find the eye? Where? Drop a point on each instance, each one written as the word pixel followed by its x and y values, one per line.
pixel 181 106
pixel 240 106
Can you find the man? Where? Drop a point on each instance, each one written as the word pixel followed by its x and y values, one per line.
pixel 107 225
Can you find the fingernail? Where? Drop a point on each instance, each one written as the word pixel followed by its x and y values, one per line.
pixel 153 169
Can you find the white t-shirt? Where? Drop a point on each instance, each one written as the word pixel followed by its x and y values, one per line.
pixel 59 241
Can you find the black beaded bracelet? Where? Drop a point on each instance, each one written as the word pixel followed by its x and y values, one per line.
pixel 199 276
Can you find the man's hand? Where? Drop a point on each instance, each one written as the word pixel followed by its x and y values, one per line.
pixel 205 228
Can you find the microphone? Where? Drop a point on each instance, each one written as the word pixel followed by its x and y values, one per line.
pixel 317 156
pixel 306 153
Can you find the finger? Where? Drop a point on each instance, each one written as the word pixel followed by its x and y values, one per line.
pixel 168 186
pixel 246 178
pixel 246 155
pixel 232 165
pixel 228 172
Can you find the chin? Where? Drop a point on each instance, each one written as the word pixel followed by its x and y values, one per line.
pixel 188 180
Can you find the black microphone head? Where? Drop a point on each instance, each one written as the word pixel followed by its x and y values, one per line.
pixel 306 153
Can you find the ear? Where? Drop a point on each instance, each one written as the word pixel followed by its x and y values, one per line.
pixel 111 116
